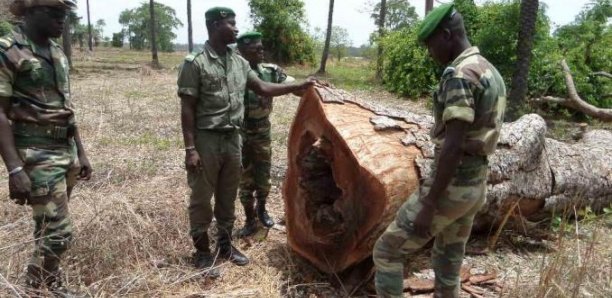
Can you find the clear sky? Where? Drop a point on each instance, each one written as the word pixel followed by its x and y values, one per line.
pixel 350 14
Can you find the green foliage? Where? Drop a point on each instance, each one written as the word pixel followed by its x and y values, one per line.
pixel 5 28
pixel 408 70
pixel 136 23
pixel 117 41
pixel 281 21
pixel 400 15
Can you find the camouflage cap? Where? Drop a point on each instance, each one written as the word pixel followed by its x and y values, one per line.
pixel 433 19
pixel 248 38
pixel 219 13
pixel 19 7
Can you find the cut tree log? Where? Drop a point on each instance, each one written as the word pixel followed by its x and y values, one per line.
pixel 574 101
pixel 347 176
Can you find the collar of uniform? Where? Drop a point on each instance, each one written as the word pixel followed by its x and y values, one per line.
pixel 466 53
pixel 22 39
pixel 208 49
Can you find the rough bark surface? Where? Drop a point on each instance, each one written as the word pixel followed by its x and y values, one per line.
pixel 352 165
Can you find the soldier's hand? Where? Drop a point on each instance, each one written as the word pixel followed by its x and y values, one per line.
pixel 193 163
pixel 20 187
pixel 86 169
pixel 310 81
pixel 423 220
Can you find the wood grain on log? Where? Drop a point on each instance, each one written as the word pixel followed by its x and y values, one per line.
pixel 352 164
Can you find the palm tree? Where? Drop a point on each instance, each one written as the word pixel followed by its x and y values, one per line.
pixel 189 26
pixel 428 6
pixel 155 61
pixel 381 33
pixel 327 38
pixel 528 18
pixel 90 39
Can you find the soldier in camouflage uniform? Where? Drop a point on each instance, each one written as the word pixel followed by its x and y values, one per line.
pixel 256 150
pixel 211 85
pixel 468 110
pixel 40 142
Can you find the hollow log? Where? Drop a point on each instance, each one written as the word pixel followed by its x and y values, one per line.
pixel 352 164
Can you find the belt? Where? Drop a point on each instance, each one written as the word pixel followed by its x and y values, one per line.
pixel 25 129
pixel 257 123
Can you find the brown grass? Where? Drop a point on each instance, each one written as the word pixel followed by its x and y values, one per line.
pixel 131 220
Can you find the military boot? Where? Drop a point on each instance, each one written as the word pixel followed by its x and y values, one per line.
pixel 262 214
pixel 250 226
pixel 226 250
pixel 54 279
pixel 446 292
pixel 202 259
pixel 35 279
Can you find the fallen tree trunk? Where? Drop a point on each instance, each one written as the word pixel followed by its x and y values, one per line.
pixel 352 165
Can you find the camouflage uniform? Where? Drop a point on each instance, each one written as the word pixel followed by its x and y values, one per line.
pixel 42 122
pixel 219 83
pixel 257 151
pixel 471 90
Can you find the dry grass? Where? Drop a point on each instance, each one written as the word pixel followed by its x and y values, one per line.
pixel 131 220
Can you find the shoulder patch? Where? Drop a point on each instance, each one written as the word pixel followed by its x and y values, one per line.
pixel 191 57
pixel 6 42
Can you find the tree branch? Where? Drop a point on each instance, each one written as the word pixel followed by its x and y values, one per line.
pixel 602 74
pixel 574 101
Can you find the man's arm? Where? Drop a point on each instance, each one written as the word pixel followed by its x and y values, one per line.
pixel 450 157
pixel 193 162
pixel 7 142
pixel 270 90
pixel 86 169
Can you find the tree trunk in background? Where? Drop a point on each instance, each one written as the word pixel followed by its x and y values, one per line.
pixel 520 78
pixel 189 26
pixel 381 34
pixel 352 164
pixel 90 39
pixel 428 6
pixel 155 59
pixel 67 43
pixel 322 70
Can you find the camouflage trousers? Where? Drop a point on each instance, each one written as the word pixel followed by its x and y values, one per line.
pixel 53 173
pixel 451 227
pixel 256 160
pixel 220 153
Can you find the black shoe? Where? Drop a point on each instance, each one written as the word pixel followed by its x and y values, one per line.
pixel 56 285
pixel 228 251
pixel 265 219
pixel 205 261
pixel 250 227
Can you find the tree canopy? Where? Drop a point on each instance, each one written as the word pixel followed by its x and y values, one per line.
pixel 400 15
pixel 136 24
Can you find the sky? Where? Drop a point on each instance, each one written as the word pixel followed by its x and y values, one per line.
pixel 350 14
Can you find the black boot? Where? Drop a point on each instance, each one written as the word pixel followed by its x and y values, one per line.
pixel 54 279
pixel 205 261
pixel 250 226
pixel 226 250
pixel 265 219
pixel 35 279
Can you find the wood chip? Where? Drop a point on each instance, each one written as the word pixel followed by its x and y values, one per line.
pixel 473 291
pixel 419 285
pixel 478 279
pixel 382 123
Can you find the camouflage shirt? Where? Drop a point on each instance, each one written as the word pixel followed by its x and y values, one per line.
pixel 471 90
pixel 36 84
pixel 219 83
pixel 257 108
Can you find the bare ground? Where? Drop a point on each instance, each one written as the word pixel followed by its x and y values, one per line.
pixel 131 221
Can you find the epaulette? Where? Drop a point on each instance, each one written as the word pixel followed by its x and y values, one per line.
pixel 449 72
pixel 191 57
pixel 6 42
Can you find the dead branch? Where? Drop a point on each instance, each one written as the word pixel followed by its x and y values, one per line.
pixel 574 101
pixel 602 74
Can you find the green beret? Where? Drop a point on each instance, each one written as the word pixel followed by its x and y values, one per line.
pixel 248 38
pixel 433 19
pixel 219 13
pixel 18 7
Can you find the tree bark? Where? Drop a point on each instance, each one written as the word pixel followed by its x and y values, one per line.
pixel 428 6
pixel 520 78
pixel 353 164
pixel 155 59
pixel 381 34
pixel 90 39
pixel 330 17
pixel 189 26
pixel 67 43
pixel 574 101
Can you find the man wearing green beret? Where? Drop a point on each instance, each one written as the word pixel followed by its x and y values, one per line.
pixel 39 138
pixel 212 84
pixel 257 151
pixel 468 111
